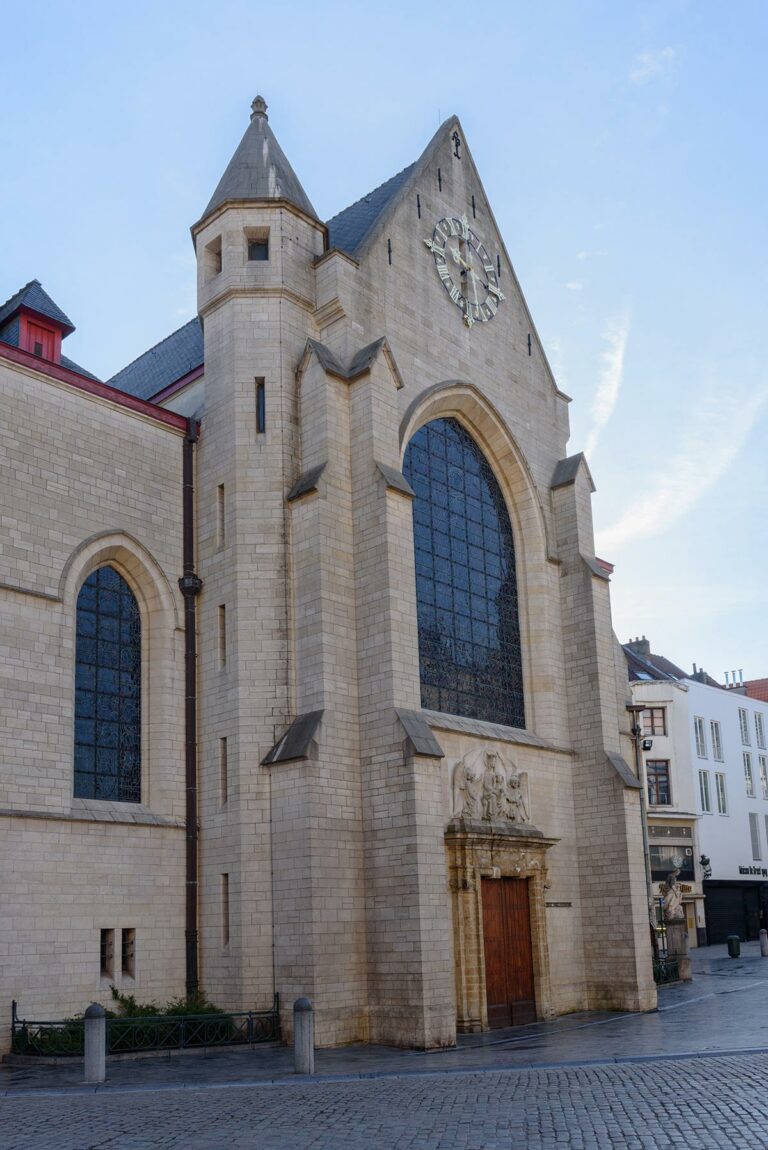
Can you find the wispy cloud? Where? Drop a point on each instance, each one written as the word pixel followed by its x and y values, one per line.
pixel 720 428
pixel 647 66
pixel 615 336
pixel 575 285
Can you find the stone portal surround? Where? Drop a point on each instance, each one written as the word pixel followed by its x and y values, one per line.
pixel 475 850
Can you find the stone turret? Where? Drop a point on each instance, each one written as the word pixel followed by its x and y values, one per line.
pixel 259 170
pixel 256 246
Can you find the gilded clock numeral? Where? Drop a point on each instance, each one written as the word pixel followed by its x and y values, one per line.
pixel 443 272
pixel 496 291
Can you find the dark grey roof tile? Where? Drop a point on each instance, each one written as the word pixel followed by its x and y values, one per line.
pixel 395 479
pixel 33 296
pixel 295 743
pixel 349 228
pixel 420 734
pixel 72 366
pixel 306 482
pixel 567 470
pixel 171 359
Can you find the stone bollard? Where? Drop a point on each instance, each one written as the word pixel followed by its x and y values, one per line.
pixel 95 1043
pixel 303 1037
pixel 764 943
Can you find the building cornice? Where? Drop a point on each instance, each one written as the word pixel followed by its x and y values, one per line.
pixel 49 372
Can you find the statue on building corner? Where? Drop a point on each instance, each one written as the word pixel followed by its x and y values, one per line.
pixel 673 913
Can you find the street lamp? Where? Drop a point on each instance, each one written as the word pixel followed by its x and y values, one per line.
pixel 639 744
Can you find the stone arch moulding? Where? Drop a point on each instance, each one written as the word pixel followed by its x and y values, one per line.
pixel 463 401
pixel 161 690
pixel 142 572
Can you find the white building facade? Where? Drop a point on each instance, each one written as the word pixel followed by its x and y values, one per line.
pixel 707 784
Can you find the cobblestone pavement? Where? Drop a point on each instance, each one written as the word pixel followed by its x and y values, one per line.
pixel 724 1009
pixel 691 1074
pixel 717 1101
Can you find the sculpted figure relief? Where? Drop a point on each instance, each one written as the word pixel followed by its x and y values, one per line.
pixel 487 788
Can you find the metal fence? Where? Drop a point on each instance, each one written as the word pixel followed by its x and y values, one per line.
pixel 65 1037
pixel 666 969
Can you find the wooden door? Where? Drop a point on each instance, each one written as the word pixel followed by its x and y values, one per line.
pixel 508 953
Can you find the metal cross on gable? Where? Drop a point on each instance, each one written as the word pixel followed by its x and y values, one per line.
pixel 456 144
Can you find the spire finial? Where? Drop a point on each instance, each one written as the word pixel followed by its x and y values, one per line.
pixel 259 108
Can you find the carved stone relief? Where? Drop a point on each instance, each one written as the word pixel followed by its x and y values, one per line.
pixel 487 788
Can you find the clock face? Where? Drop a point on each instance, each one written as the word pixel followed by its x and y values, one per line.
pixel 466 269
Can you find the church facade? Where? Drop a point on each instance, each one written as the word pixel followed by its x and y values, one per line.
pixel 309 684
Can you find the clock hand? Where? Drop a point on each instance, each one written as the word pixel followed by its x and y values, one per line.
pixel 458 259
pixel 475 279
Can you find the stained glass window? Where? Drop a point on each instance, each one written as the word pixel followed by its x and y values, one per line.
pixel 107 690
pixel 466 587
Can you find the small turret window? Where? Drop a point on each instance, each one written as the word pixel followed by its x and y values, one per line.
pixel 213 258
pixel 258 250
pixel 257 244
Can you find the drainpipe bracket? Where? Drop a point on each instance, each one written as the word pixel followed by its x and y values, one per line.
pixel 190 584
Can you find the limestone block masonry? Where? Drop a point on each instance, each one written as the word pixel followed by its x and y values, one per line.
pixel 335 863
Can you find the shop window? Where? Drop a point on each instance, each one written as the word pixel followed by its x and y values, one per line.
pixel 668 858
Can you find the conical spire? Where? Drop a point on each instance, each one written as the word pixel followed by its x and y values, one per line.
pixel 259 170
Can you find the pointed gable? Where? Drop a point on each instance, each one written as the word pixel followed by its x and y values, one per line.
pixel 259 170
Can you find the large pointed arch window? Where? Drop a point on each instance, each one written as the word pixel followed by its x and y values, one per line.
pixel 107 690
pixel 466 586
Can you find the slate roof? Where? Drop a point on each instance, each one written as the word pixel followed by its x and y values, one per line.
pixel 33 296
pixel 349 228
pixel 72 366
pixel 566 471
pixel 174 357
pixel 259 169
pixel 651 667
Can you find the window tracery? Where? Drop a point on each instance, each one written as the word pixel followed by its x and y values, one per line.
pixel 466 587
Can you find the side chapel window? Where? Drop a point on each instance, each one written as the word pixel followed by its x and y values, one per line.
pixel 107 690
pixel 466 587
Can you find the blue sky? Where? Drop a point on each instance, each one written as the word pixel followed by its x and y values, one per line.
pixel 622 146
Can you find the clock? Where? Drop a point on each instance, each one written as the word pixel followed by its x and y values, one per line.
pixel 466 269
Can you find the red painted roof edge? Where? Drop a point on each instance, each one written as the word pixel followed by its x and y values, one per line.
pixel 177 385
pixel 25 309
pixel 606 566
pixel 93 387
